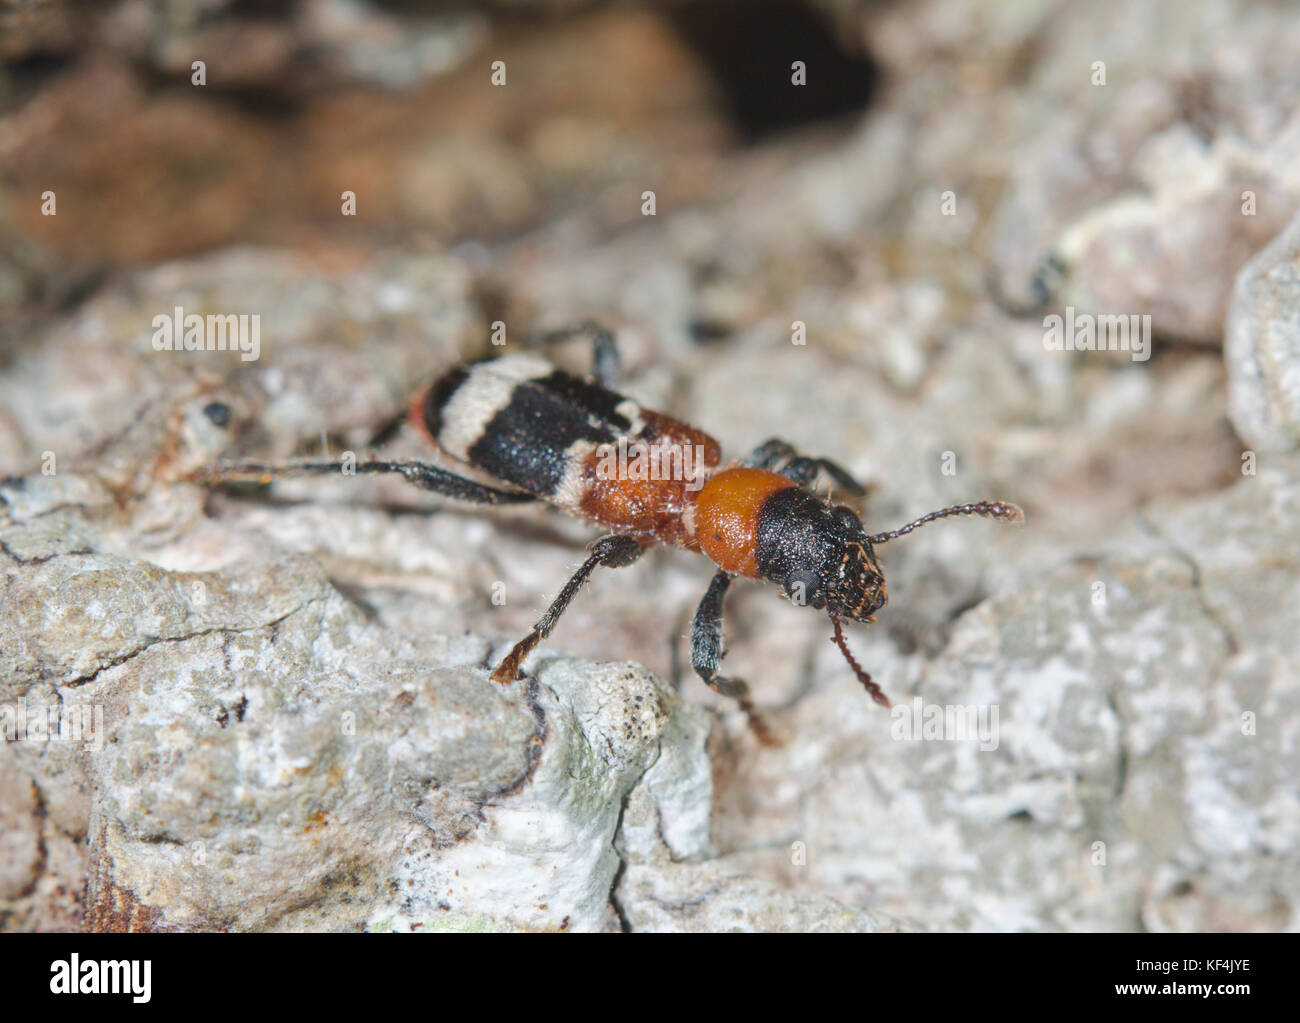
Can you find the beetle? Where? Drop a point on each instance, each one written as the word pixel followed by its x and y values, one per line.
pixel 543 434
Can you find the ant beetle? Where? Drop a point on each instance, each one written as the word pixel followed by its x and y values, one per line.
pixel 548 436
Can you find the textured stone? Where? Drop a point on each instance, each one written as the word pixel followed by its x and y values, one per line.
pixel 297 728
pixel 1146 745
pixel 1262 347
pixel 263 756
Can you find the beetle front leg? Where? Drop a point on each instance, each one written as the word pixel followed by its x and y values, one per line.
pixel 780 457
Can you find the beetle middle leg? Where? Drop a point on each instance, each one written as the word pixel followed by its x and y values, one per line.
pixel 707 654
pixel 612 551
pixel 781 457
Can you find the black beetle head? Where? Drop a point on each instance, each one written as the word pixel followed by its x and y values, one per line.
pixel 820 555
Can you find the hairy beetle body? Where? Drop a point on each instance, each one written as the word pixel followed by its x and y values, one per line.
pixel 577 444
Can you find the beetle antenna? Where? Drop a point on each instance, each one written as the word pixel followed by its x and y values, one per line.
pixel 1004 510
pixel 874 690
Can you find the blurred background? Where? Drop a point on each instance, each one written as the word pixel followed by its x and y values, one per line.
pixel 918 185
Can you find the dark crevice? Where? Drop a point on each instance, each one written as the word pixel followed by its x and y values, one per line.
pixel 623 924
pixel 749 48
pixel 41 813
pixel 22 77
pixel 534 746
pixel 1121 764
pixel 1211 612
pixel 120 659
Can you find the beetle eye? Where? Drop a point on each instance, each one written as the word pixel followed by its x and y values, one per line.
pixel 846 517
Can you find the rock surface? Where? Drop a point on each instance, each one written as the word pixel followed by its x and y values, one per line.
pixel 1262 346
pixel 275 701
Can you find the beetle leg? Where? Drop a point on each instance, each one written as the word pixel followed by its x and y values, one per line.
pixel 781 457
pixel 613 551
pixel 770 453
pixel 606 364
pixel 428 477
pixel 707 653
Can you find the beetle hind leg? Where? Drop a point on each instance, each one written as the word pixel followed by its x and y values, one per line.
pixel 423 475
pixel 606 363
